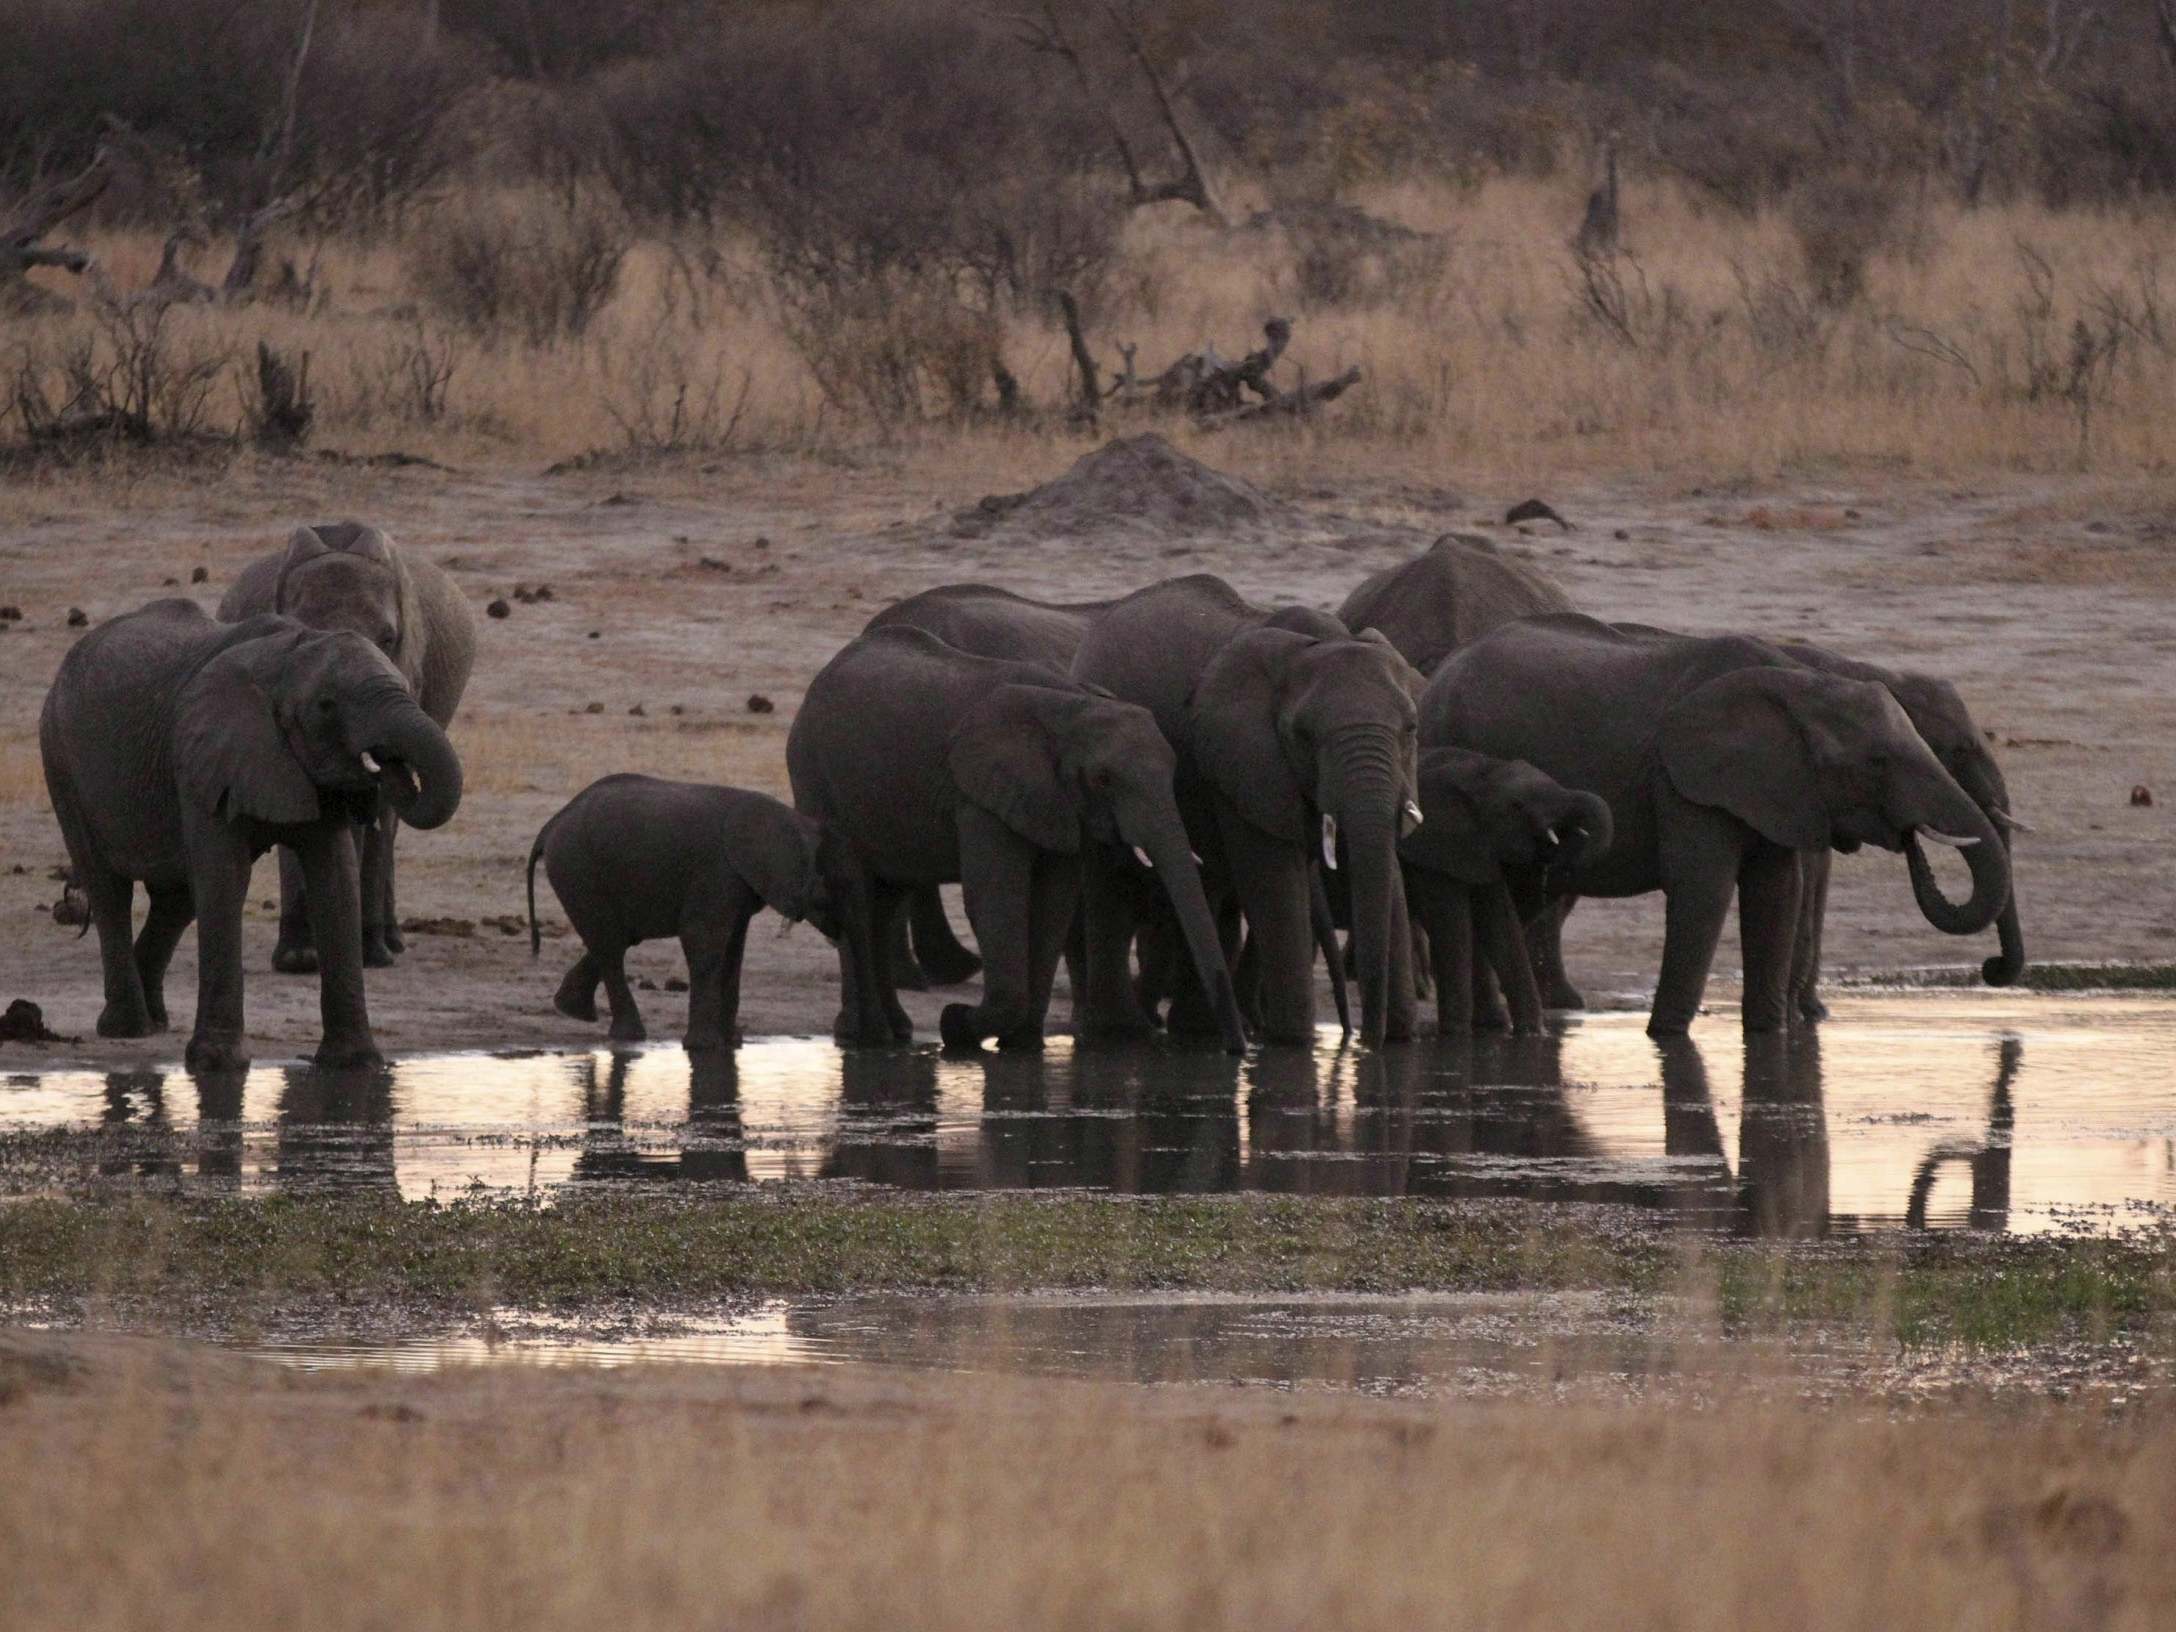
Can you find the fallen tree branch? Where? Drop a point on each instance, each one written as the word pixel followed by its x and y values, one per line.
pixel 1296 404
pixel 20 249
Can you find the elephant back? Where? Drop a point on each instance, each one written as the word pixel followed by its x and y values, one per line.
pixel 1459 590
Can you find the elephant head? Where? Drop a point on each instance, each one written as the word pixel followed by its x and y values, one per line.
pixel 1946 725
pixel 805 871
pixel 274 722
pixel 1486 817
pixel 1061 762
pixel 345 575
pixel 1307 736
pixel 1809 760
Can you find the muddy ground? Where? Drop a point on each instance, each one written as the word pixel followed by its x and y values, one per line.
pixel 680 595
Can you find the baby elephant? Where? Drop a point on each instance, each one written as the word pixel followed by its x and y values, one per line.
pixel 634 858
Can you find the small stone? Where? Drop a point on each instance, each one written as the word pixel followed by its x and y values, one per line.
pixel 761 543
pixel 523 594
pixel 169 583
pixel 2098 527
pixel 643 983
pixel 498 609
pixel 677 709
pixel 1621 536
pixel 1851 515
pixel 596 634
pixel 674 983
pixel 711 563
pixel 639 712
pixel 593 708
pixel 544 592
pixel 78 618
pixel 760 704
pixel 11 614
pixel 2141 795
pixel 198 575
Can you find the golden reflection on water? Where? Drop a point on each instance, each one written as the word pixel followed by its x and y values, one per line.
pixel 2002 1112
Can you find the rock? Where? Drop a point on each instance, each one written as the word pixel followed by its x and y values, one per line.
pixel 524 594
pixel 593 708
pixel 676 709
pixel 760 704
pixel 24 1022
pixel 711 563
pixel 498 609
pixel 596 634
pixel 638 712
pixel 1621 536
pixel 761 543
pixel 544 592
pixel 78 618
pixel 198 575
pixel 169 583
pixel 73 907
pixel 2141 795
pixel 11 614
pixel 1533 510
pixel 643 983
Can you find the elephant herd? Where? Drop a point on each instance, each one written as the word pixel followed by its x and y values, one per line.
pixel 1179 793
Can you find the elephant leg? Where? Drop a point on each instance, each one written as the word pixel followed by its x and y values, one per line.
pixel 1693 923
pixel 1440 907
pixel 171 913
pixel 375 845
pixel 869 1012
pixel 1768 914
pixel 112 899
pixel 936 949
pixel 1110 1008
pixel 1424 979
pixel 627 1024
pixel 713 939
pixel 900 967
pixel 330 876
pixel 219 863
pixel 1503 947
pixel 1053 909
pixel 1813 871
pixel 1270 880
pixel 293 954
pixel 1399 1006
pixel 1547 943
pixel 997 876
pixel 577 994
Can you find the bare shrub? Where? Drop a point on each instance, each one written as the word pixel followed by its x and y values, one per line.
pixel 132 375
pixel 1841 221
pixel 897 349
pixel 277 408
pixel 664 400
pixel 408 379
pixel 1613 293
pixel 541 272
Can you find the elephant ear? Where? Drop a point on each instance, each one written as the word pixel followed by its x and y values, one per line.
pixel 1414 681
pixel 1006 761
pixel 777 859
pixel 230 756
pixel 1739 743
pixel 1234 731
pixel 1454 840
pixel 303 544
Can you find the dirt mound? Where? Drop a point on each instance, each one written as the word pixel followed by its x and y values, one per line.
pixel 1138 485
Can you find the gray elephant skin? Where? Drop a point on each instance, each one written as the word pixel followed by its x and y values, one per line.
pixel 345 575
pixel 1457 590
pixel 1287 727
pixel 178 749
pixel 1492 830
pixel 636 858
pixel 939 766
pixel 1720 758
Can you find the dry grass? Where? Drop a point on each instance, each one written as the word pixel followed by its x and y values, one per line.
pixel 164 1489
pixel 1482 352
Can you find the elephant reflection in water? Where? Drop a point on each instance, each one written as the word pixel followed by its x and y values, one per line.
pixel 711 1146
pixel 1782 1185
pixel 887 1131
pixel 136 1140
pixel 1135 1121
pixel 1988 1160
pixel 335 1130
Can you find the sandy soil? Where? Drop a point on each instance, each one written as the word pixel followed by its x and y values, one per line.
pixel 685 593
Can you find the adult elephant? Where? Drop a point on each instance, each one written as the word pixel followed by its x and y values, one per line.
pixel 1492 831
pixel 1721 758
pixel 179 749
pixel 1459 589
pixel 938 766
pixel 345 575
pixel 1939 715
pixel 1288 729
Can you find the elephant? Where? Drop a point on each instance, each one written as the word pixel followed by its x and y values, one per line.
pixel 635 858
pixel 345 575
pixel 1459 589
pixel 1720 758
pixel 1939 715
pixel 1288 729
pixel 936 765
pixel 1490 830
pixel 179 749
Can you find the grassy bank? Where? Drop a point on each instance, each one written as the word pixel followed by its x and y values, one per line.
pixel 678 1252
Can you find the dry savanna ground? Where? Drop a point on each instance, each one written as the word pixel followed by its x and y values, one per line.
pixel 844 1497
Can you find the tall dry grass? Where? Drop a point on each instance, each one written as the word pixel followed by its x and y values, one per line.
pixel 1714 342
pixel 176 1494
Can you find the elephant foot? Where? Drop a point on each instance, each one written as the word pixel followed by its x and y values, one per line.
pixel 628 1031
pixel 1113 1028
pixel 946 967
pixel 960 1028
pixel 347 1053
pixel 709 1042
pixel 851 1031
pixel 576 1004
pixel 376 954
pixel 118 1020
pixel 902 1026
pixel 395 942
pixel 1667 1026
pixel 214 1054
pixel 1491 1017
pixel 1564 995
pixel 294 960
pixel 906 976
pixel 1022 1040
pixel 1811 1009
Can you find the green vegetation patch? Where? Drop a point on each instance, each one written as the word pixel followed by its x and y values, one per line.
pixel 2038 977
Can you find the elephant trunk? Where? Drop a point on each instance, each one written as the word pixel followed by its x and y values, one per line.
pixel 1990 864
pixel 1164 839
pixel 1983 781
pixel 1583 832
pixel 419 771
pixel 1365 792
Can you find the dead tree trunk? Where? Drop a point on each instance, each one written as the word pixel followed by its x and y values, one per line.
pixel 1295 404
pixel 274 159
pixel 20 248
pixel 281 415
pixel 1091 389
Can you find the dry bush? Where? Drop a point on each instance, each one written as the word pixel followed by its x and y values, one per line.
pixel 667 398
pixel 1841 222
pixel 140 374
pixel 539 270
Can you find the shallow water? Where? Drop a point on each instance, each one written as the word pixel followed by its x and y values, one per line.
pixel 1987 1110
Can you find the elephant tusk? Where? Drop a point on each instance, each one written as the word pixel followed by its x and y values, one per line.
pixel 1954 840
pixel 1141 856
pixel 1329 841
pixel 1550 839
pixel 371 765
pixel 1412 815
pixel 2003 818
